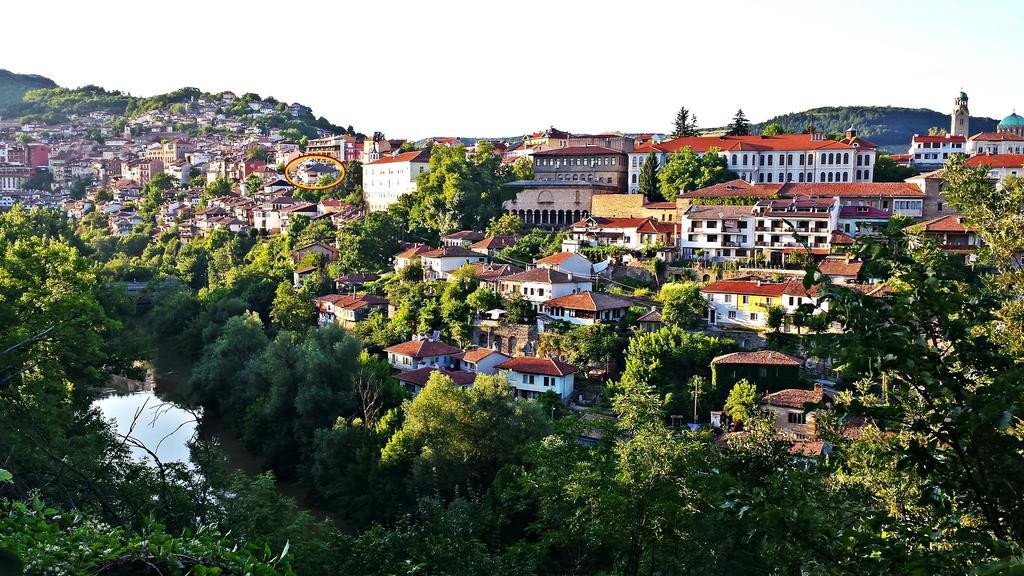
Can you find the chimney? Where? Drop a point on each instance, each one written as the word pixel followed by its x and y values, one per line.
pixel 851 133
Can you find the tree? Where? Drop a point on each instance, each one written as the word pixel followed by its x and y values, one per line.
pixel 506 225
pixel 522 169
pixel 292 309
pixel 682 304
pixel 221 186
pixel 742 403
pixel 775 317
pixel 773 129
pixel 740 126
pixel 685 171
pixel 685 124
pixel 887 170
pixel 368 245
pixel 648 185
pixel 453 436
pixel 666 359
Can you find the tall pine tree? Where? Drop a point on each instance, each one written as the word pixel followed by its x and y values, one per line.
pixel 649 178
pixel 686 124
pixel 740 126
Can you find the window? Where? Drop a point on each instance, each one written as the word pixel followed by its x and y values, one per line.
pixel 789 160
pixel 727 298
pixel 769 177
pixel 797 418
pixel 745 299
pixel 634 178
pixel 753 316
pixel 732 314
pixel 831 158
pixel 823 157
pixel 744 159
pixel 733 159
pixel 801 177
pixel 801 159
pixel 846 158
pixel 769 159
pixel 846 176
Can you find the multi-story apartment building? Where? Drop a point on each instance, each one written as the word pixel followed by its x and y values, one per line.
pixel 390 177
pixel 931 152
pixel 772 159
pixel 581 164
pixel 341 147
pixel 13 176
pixel 999 166
pixel 716 232
pixel 795 225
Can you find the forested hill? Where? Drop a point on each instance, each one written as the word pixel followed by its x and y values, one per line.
pixel 889 127
pixel 14 86
pixel 32 97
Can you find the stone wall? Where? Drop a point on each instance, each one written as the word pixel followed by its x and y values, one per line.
pixel 631 206
pixel 510 339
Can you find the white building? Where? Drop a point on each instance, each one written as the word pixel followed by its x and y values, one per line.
pixel 440 262
pixel 772 159
pixel 531 377
pixel 716 232
pixel 388 178
pixel 481 360
pixel 999 166
pixel 795 225
pixel 420 352
pixel 568 262
pixel 995 143
pixel 585 309
pixel 931 152
pixel 539 285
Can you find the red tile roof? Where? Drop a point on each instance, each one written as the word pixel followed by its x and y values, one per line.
pixel 996 160
pixel 423 348
pixel 545 275
pixel 997 137
pixel 925 138
pixel 545 366
pixel 734 189
pixel 947 223
pixel 592 301
pixel 414 251
pixel 451 252
pixel 557 258
pixel 780 142
pixel 851 189
pixel 831 267
pixel 748 287
pixel 761 357
pixel 352 301
pixel 420 376
pixel 477 354
pixel 840 238
pixel 578 150
pixel 496 242
pixel 795 397
pixel 414 156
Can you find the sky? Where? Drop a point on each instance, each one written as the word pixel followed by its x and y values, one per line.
pixel 414 69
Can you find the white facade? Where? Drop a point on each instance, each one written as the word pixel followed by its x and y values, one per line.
pixel 717 233
pixel 767 160
pixel 933 151
pixel 387 179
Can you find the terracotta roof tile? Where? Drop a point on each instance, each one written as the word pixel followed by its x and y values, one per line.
pixel 593 301
pixel 423 348
pixel 545 366
pixel 761 358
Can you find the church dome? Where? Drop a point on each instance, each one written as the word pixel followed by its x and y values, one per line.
pixel 1012 121
pixel 963 95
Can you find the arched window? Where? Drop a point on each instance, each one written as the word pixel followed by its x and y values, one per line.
pixel 831 158
pixel 823 157
pixel 769 177
pixel 789 177
pixel 801 159
pixel 858 174
pixel 789 160
pixel 867 175
pixel 634 178
pixel 744 159
pixel 846 176
pixel 733 159
pixel 829 176
pixel 846 158
pixel 801 178
pixel 760 177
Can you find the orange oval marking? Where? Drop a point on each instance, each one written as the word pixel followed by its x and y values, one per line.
pixel 329 159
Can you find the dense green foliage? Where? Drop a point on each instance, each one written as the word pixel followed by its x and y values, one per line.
pixel 685 171
pixel 890 127
pixel 14 86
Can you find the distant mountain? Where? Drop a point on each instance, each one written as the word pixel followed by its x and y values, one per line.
pixel 889 127
pixel 13 86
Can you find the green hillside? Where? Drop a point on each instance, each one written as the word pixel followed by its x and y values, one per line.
pixel 14 86
pixel 887 126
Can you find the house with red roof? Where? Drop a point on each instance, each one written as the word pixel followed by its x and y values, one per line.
pixel 568 262
pixel 406 257
pixel 481 360
pixel 491 245
pixel 769 370
pixel 931 152
pixel 772 159
pixel 995 143
pixel 629 233
pixel 531 377
pixel 743 303
pixel 584 309
pixel 794 412
pixel 998 166
pixel 416 380
pixel 799 224
pixel 421 351
pixel 439 263
pixel 388 178
pixel 538 285
pixel 951 233
pixel 347 310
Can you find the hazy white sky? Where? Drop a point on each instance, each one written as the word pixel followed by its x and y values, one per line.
pixel 459 68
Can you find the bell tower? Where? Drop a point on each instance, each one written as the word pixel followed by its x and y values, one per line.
pixel 960 120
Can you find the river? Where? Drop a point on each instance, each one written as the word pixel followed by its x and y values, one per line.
pixel 156 413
